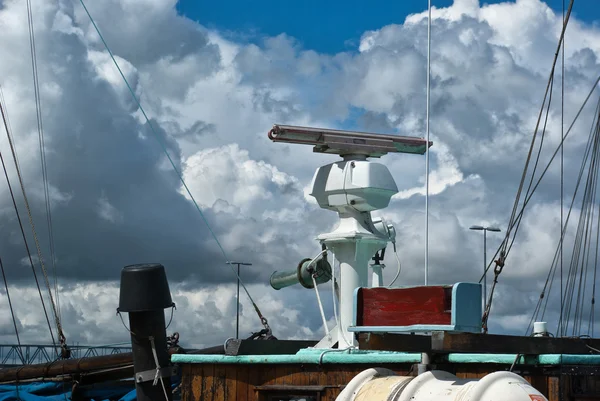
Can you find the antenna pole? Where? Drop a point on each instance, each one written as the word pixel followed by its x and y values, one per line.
pixel 427 146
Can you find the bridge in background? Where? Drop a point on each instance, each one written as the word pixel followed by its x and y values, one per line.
pixel 29 354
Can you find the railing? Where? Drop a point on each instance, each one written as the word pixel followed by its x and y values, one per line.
pixel 13 355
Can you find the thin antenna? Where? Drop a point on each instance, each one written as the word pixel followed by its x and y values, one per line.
pixel 562 186
pixel 427 151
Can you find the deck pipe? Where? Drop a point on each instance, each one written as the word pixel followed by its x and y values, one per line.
pixel 303 274
pixel 144 294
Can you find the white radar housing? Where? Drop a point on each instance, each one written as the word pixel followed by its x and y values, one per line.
pixel 357 184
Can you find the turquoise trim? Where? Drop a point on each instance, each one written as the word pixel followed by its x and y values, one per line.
pixel 327 356
pixel 306 356
pixel 546 359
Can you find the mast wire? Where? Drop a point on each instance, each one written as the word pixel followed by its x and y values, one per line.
pixel 12 312
pixel 179 174
pixel 42 146
pixel 4 119
pixel 514 220
pixel 562 185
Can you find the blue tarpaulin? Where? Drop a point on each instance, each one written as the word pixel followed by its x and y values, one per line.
pixel 52 391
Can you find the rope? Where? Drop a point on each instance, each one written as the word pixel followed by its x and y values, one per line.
pixel 582 239
pixel 61 336
pixel 499 252
pixel 333 297
pixel 593 300
pixel 12 312
pixel 399 266
pixel 263 320
pixel 6 127
pixel 38 106
pixel 157 376
pixel 502 250
pixel 562 134
pixel 314 280
pixel 582 232
pixel 173 307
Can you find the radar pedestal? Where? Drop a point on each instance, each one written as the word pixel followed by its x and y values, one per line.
pixel 352 187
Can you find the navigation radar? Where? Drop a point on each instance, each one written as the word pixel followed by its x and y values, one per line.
pixel 348 142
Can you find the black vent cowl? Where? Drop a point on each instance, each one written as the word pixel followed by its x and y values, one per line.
pixel 144 287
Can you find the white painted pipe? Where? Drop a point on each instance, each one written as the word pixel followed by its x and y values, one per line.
pixel 377 277
pixel 377 384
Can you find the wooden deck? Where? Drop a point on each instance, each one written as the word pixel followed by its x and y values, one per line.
pixel 264 382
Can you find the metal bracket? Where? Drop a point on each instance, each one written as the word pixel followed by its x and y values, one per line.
pixel 149 375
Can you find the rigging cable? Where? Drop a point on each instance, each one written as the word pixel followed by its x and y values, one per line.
pixel 569 286
pixel 12 312
pixel 4 119
pixel 501 252
pixel 503 249
pixel 588 217
pixel 263 320
pixel 529 154
pixel 42 147
pixel 519 216
pixel 562 134
pixel 563 231
pixel 593 300
pixel 592 144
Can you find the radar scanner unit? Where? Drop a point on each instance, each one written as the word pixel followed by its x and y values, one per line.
pixel 353 187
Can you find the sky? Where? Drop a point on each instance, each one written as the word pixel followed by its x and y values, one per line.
pixel 212 86
pixel 327 27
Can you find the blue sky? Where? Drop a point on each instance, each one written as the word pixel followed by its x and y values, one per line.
pixel 325 26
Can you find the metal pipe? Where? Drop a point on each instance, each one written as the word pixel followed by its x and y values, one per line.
pixel 427 148
pixel 144 294
pixel 485 230
pixel 237 313
pixel 303 274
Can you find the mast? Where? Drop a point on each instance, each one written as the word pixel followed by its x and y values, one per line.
pixel 427 151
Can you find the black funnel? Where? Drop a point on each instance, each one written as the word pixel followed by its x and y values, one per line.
pixel 144 287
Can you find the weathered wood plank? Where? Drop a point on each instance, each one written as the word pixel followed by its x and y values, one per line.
pixel 192 376
pixel 313 377
pixel 323 380
pixel 301 376
pixel 207 382
pixel 540 383
pixel 253 380
pixel 444 342
pixel 231 383
pixel 242 383
pixel 219 382
pixel 553 388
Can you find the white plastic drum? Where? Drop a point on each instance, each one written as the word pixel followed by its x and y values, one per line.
pixel 383 385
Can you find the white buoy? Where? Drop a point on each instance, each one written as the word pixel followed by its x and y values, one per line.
pixel 377 384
